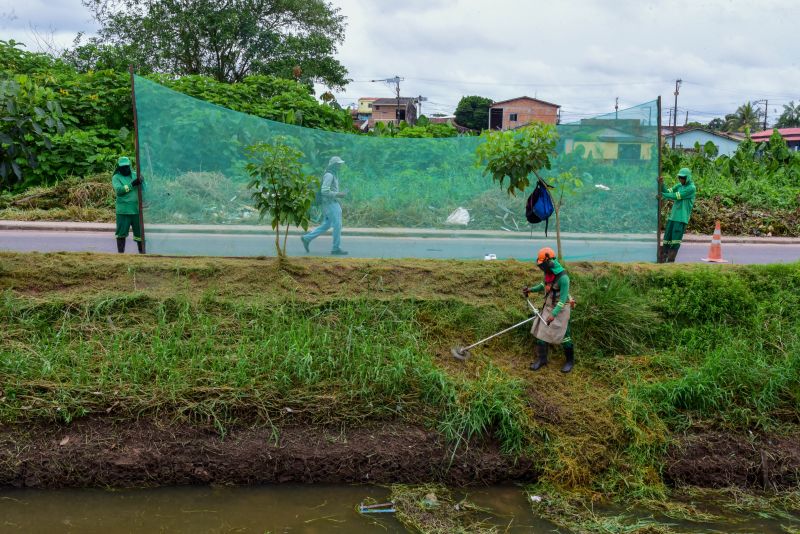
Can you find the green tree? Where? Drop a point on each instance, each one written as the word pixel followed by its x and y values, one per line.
pixel 30 114
pixel 280 187
pixel 473 112
pixel 716 124
pixel 94 55
pixel 790 118
pixel 522 154
pixel 746 117
pixel 226 39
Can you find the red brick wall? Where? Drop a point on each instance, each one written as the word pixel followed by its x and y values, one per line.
pixel 527 111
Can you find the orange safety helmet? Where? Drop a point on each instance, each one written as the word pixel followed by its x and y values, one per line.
pixel 545 254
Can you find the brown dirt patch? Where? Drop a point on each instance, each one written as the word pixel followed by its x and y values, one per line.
pixel 718 459
pixel 103 453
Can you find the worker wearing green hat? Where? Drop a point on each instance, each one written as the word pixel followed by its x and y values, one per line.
pixel 682 195
pixel 126 184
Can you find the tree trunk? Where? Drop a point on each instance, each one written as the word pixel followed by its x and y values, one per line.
pixel 285 236
pixel 278 241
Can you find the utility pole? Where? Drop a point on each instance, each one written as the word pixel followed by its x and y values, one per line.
pixel 420 100
pixel 396 81
pixel 766 109
pixel 686 120
pixel 675 113
pixel 616 109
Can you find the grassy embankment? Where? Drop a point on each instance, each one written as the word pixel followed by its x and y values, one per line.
pixel 661 351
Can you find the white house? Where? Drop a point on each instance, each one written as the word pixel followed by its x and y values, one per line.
pixel 686 139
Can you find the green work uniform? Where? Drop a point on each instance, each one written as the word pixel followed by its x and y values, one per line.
pixel 127 206
pixel 683 201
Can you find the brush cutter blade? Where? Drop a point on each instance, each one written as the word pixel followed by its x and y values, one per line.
pixel 459 353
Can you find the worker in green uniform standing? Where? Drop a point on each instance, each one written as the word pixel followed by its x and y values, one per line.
pixel 682 196
pixel 126 185
pixel 556 312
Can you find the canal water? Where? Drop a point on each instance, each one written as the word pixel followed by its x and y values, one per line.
pixel 276 509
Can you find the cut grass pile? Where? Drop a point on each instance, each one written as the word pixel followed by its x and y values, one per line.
pixel 89 199
pixel 227 342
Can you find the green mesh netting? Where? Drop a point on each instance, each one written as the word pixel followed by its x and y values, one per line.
pixel 401 191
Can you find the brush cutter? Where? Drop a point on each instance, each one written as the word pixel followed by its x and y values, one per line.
pixel 462 353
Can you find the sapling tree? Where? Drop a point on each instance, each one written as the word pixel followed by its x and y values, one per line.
pixel 522 154
pixel 281 190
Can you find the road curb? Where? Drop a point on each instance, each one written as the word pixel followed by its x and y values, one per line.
pixel 60 226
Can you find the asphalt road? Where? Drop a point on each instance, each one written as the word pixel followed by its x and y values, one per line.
pixel 386 247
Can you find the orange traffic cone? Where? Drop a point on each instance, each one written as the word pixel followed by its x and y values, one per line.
pixel 715 252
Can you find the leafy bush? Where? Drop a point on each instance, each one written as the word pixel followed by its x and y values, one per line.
pixel 762 176
pixel 96 112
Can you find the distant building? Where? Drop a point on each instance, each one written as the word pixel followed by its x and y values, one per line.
pixel 687 138
pixel 387 110
pixel 363 112
pixel 790 135
pixel 365 104
pixel 516 112
pixel 608 139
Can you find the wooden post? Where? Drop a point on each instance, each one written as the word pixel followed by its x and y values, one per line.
pixel 659 182
pixel 138 165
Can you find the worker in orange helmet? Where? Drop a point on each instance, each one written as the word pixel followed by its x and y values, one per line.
pixel 556 312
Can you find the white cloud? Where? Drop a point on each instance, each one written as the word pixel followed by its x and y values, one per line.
pixel 581 54
pixel 578 53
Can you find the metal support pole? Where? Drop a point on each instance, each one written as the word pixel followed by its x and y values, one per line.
pixel 659 181
pixel 138 165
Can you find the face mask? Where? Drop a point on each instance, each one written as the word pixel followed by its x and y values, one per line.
pixel 546 265
pixel 125 171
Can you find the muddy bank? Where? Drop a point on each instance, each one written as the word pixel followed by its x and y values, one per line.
pixel 717 460
pixel 98 452
pixel 147 453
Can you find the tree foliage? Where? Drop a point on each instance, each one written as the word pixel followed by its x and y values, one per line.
pixel 29 114
pixel 790 118
pixel 423 128
pixel 473 112
pixel 96 113
pixel 517 154
pixel 746 117
pixel 280 188
pixel 224 39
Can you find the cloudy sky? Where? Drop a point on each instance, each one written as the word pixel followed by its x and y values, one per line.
pixel 581 54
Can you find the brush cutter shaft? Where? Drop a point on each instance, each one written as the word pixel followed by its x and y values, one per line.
pixel 536 312
pixel 529 319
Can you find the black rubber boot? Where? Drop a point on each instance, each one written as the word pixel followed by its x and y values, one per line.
pixel 569 354
pixel 671 255
pixel 140 246
pixel 541 357
pixel 120 245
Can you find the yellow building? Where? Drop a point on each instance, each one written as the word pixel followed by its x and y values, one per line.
pixel 365 105
pixel 596 138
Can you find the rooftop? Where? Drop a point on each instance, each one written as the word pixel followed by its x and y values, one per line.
pixel 404 100
pixel 525 98
pixel 789 134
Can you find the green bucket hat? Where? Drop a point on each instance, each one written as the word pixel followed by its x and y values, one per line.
pixel 685 172
pixel 124 160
